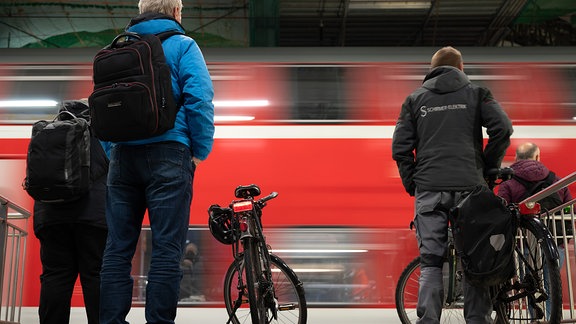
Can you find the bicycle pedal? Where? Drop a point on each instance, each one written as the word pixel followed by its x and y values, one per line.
pixel 286 307
pixel 539 312
pixel 542 297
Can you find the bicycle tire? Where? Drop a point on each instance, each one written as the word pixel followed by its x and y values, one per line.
pixel 288 289
pixel 406 295
pixel 537 269
pixel 253 275
pixel 451 287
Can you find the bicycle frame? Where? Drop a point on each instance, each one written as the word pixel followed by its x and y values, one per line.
pixel 247 219
pixel 453 266
pixel 532 293
pixel 256 278
pixel 531 221
pixel 527 221
pixel 533 224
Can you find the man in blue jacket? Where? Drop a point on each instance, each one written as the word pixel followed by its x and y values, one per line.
pixel 438 147
pixel 157 174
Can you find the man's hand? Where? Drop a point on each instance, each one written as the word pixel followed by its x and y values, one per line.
pixel 196 161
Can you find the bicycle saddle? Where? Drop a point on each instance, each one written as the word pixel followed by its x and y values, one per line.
pixel 244 192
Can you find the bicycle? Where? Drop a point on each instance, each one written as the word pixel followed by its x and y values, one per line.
pixel 532 295
pixel 258 284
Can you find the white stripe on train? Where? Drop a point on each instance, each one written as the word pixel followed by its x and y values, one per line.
pixel 326 131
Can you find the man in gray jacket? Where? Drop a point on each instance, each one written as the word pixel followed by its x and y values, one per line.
pixel 438 147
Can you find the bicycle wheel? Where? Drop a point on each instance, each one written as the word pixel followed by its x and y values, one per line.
pixel 407 295
pixel 253 271
pixel 289 299
pixel 534 294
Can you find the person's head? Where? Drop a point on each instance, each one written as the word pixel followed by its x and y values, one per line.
pixel 191 252
pixel 447 56
pixel 527 151
pixel 168 7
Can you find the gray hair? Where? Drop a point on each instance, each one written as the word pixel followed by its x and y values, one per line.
pixel 160 6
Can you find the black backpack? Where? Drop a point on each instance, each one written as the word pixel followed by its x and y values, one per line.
pixel 58 159
pixel 132 97
pixel 546 203
pixel 533 187
pixel 484 231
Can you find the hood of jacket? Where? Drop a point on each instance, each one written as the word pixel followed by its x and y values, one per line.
pixel 530 170
pixel 445 79
pixel 153 23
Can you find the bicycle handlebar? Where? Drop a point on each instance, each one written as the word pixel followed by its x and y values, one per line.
pixel 262 201
pixel 499 173
pixel 493 175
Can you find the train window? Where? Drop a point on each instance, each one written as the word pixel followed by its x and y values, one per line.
pixel 318 93
pixel 32 92
pixel 478 75
pixel 569 81
pixel 338 265
pixel 528 92
pixel 248 92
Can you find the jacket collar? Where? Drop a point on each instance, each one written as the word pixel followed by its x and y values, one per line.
pixel 147 16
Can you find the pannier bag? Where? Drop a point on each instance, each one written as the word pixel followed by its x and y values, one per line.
pixel 132 97
pixel 484 230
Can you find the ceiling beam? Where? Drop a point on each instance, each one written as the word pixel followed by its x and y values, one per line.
pixel 501 21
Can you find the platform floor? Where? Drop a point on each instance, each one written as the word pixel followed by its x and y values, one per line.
pixel 218 316
pixel 193 315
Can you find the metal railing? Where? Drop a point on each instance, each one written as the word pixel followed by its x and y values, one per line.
pixel 13 254
pixel 560 220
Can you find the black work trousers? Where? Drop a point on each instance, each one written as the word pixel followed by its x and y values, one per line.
pixel 66 251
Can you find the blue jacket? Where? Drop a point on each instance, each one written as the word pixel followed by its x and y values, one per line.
pixel 191 82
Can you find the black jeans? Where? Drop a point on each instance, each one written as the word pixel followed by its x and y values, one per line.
pixel 66 251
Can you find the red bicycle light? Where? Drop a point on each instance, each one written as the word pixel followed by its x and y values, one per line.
pixel 242 206
pixel 243 225
pixel 531 208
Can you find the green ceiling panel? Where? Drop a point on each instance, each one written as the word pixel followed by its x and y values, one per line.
pixel 103 38
pixel 538 11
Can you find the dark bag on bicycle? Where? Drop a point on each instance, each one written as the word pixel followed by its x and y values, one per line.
pixel 484 232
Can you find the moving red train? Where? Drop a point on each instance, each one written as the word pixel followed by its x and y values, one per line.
pixel 315 125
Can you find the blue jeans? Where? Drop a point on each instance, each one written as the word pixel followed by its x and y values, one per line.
pixel 157 177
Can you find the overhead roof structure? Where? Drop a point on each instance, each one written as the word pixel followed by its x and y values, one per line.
pixel 293 23
pixel 424 22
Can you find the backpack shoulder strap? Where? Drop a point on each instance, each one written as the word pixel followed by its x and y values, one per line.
pixel 530 186
pixel 478 141
pixel 533 186
pixel 163 36
pixel 167 34
pixel 127 35
pixel 551 178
